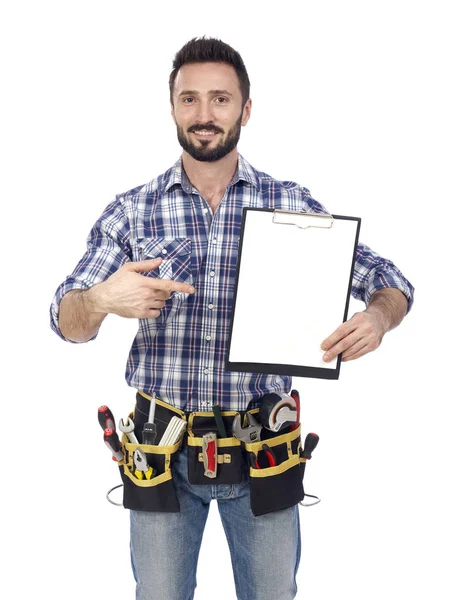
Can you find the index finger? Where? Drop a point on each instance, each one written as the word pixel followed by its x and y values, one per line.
pixel 170 286
pixel 345 329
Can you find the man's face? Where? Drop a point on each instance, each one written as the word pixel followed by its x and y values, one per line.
pixel 207 110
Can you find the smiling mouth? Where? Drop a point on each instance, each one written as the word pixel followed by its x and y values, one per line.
pixel 205 133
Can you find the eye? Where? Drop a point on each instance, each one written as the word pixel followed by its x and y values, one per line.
pixel 223 98
pixel 187 98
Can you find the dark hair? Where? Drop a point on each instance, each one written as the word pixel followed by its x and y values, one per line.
pixel 199 50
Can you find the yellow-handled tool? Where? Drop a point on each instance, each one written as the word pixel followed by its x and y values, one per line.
pixel 142 469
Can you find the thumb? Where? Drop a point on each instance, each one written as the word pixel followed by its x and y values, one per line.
pixel 144 265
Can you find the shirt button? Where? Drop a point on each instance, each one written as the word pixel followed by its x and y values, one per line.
pixel 208 338
pixel 210 306
pixel 205 210
pixel 164 251
pixel 214 241
pixel 206 371
pixel 212 273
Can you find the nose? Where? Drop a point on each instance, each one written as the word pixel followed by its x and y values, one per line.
pixel 204 113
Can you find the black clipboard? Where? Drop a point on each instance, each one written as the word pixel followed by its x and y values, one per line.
pixel 292 290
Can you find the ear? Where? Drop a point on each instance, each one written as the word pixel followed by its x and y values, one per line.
pixel 246 112
pixel 172 114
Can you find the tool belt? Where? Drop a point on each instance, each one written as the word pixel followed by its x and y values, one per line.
pixel 271 487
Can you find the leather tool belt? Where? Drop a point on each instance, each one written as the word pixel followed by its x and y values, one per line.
pixel 213 459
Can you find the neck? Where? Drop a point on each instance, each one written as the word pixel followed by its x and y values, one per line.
pixel 210 178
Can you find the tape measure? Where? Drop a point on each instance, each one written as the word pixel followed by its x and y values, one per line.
pixel 279 410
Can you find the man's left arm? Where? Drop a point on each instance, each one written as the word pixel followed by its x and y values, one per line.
pixel 388 296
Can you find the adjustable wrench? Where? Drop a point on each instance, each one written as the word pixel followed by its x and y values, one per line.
pixel 249 434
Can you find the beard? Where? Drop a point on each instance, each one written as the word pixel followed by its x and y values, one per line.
pixel 204 152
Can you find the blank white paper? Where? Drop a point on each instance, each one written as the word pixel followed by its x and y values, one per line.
pixel 292 290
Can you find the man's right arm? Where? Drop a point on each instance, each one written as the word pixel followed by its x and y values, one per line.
pixel 79 317
pixel 106 280
pixel 126 293
pixel 107 251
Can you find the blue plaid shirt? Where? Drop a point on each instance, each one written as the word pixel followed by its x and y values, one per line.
pixel 181 354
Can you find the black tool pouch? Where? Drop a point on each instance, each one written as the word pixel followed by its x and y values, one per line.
pixel 229 462
pixel 157 493
pixel 281 486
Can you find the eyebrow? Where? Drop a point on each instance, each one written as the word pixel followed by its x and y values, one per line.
pixel 196 92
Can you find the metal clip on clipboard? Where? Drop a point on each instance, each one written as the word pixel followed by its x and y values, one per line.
pixel 303 220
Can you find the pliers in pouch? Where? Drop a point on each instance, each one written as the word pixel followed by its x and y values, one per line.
pixel 269 455
pixel 142 469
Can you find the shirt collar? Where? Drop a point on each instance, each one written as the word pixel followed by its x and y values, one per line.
pixel 176 176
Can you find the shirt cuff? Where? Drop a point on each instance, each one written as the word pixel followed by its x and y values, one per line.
pixel 385 276
pixel 64 288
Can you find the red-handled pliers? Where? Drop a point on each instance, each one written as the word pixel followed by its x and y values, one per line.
pixel 269 454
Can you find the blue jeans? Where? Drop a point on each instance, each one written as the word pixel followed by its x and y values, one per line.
pixel 265 550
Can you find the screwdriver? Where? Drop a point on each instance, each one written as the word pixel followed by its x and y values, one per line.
pixel 311 441
pixel 150 428
pixel 112 442
pixel 106 418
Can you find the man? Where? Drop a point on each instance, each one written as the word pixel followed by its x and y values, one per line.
pixel 145 253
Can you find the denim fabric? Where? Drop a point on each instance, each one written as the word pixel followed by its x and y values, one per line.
pixel 265 550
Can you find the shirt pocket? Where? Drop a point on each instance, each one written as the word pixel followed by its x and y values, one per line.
pixel 176 266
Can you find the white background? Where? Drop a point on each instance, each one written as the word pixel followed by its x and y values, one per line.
pixel 351 100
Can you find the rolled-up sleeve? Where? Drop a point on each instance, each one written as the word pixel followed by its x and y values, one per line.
pixel 107 250
pixel 373 273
